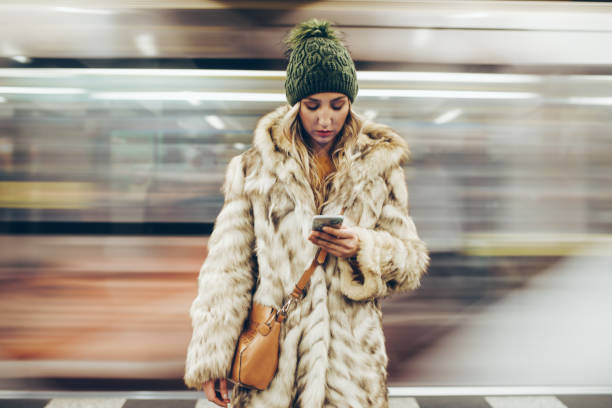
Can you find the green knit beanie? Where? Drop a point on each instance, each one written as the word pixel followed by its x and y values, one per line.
pixel 318 63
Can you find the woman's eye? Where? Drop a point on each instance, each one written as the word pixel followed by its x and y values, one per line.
pixel 337 107
pixel 312 107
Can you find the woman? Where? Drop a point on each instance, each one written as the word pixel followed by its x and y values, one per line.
pixel 309 157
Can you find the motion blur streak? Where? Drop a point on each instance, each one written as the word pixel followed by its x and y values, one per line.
pixel 117 123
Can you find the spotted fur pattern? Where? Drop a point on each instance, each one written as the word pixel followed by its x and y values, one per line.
pixel 332 344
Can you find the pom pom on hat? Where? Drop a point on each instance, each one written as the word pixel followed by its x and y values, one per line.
pixel 318 62
pixel 308 29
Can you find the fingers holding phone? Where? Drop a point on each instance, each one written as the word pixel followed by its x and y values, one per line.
pixel 329 234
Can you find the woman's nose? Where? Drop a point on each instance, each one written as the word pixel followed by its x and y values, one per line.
pixel 324 119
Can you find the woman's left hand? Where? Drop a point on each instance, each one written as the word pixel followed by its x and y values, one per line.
pixel 342 242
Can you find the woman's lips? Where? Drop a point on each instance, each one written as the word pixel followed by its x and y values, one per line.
pixel 324 132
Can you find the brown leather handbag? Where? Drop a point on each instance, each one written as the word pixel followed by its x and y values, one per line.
pixel 256 357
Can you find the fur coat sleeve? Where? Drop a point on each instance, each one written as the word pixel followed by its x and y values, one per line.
pixel 224 285
pixel 391 257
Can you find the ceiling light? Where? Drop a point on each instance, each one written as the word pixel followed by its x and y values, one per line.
pixel 446 77
pixel 448 116
pixel 409 93
pixel 215 121
pixel 369 114
pixel 193 101
pixel 34 73
pixel 212 73
pixel 421 37
pixel 146 45
pixel 183 96
pixel 588 77
pixel 590 101
pixel 83 10
pixel 31 90
pixel 21 59
pixel 470 15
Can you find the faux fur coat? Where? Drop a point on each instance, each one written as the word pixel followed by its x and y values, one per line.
pixel 332 350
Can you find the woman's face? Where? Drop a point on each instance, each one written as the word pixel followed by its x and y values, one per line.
pixel 323 116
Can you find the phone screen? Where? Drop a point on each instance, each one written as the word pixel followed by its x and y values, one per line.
pixel 320 221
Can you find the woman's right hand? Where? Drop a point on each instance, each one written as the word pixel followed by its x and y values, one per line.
pixel 218 397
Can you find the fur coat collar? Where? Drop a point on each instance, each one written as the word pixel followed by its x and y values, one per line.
pixel 378 149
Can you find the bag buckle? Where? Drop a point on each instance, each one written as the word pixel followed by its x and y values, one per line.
pixel 287 306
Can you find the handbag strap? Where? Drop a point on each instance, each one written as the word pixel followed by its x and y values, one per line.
pixel 298 290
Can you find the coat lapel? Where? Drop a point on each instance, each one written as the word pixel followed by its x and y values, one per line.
pixel 279 169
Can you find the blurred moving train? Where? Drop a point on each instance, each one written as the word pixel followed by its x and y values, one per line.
pixel 117 121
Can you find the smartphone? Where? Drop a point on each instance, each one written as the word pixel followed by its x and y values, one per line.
pixel 320 221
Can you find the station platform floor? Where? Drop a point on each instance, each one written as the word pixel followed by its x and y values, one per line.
pixel 196 400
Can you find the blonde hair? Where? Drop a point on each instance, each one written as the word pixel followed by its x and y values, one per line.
pixel 346 140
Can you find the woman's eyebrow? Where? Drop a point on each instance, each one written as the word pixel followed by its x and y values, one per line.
pixel 338 98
